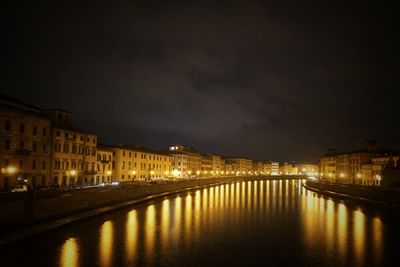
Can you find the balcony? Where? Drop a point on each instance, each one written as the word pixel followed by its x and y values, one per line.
pixel 90 172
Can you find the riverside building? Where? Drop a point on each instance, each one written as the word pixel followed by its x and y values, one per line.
pixel 73 152
pixel 132 163
pixel 25 144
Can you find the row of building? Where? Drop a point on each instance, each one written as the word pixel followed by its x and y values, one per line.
pixel 365 166
pixel 42 148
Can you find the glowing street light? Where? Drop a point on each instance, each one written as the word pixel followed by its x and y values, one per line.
pixel 11 170
pixel 72 172
pixel 176 173
pixel 109 172
pixel 133 172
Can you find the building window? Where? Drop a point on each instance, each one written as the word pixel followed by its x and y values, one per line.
pixel 81 138
pixel 7 125
pixel 44 132
pixel 123 176
pixel 34 147
pixel 21 145
pixel 123 165
pixel 21 164
pixel 94 140
pixel 34 130
pixel 44 165
pixel 58 133
pixel 33 165
pixel 22 128
pixel 66 135
pixel 123 153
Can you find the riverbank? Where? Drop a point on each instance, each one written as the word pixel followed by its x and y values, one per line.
pixel 362 194
pixel 51 213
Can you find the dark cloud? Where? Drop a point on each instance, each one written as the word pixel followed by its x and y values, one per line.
pixel 276 79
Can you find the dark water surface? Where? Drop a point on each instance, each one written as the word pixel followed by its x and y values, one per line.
pixel 257 223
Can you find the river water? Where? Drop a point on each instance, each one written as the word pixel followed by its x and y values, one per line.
pixel 252 223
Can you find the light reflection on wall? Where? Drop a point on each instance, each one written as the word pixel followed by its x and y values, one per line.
pixel 70 253
pixel 149 232
pixel 106 243
pixel 358 236
pixel 131 236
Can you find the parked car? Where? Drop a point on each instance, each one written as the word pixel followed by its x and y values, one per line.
pixel 20 188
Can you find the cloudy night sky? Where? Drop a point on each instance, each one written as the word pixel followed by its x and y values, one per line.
pixel 279 80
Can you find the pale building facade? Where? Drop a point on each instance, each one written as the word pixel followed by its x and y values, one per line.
pixel 73 157
pixel 132 163
pixel 240 165
pixel 25 144
pixel 187 161
pixel 104 165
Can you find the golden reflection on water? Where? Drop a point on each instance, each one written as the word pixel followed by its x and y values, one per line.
pixel 327 226
pixel 150 231
pixel 359 236
pixel 197 214
pixel 377 229
pixel 188 217
pixel 131 236
pixel 330 224
pixel 106 243
pixel 177 219
pixel 70 253
pixel 165 229
pixel 342 232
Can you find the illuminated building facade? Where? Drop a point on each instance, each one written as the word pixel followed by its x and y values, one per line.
pixel 132 163
pixel 25 144
pixel 73 152
pixel 186 161
pixel 104 165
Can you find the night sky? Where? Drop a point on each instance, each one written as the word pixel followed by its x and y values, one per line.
pixel 279 80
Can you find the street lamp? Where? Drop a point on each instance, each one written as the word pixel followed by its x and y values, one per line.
pixel 10 170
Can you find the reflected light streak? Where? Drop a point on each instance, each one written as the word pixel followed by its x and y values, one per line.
pixel 165 223
pixel 342 222
pixel 69 253
pixel 106 243
pixel 197 215
pixel 188 217
pixel 131 236
pixel 177 219
pixel 330 224
pixel 150 231
pixel 359 236
pixel 377 232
